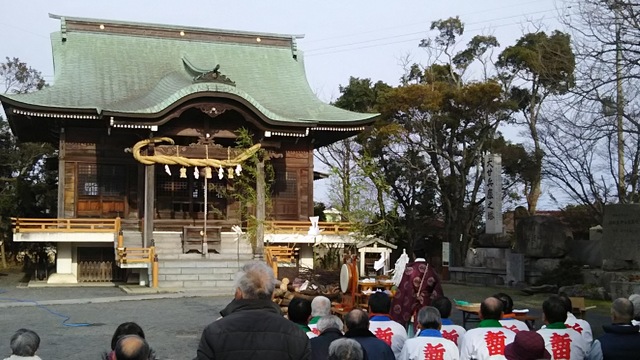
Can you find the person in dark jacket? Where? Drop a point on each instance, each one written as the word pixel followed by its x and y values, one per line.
pixel 357 323
pixel 621 339
pixel 330 328
pixel 252 326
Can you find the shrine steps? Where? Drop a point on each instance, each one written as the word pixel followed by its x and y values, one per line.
pixel 212 271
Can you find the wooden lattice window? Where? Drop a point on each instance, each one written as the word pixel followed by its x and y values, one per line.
pixel 101 180
pixel 286 184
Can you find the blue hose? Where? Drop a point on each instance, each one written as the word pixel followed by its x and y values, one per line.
pixel 65 318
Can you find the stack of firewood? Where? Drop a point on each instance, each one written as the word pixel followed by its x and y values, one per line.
pixel 287 291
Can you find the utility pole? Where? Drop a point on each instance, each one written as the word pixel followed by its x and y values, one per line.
pixel 619 103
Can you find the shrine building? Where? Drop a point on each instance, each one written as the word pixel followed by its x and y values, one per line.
pixel 146 120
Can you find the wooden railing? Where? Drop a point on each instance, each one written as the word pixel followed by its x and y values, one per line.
pixel 277 254
pixel 31 225
pixel 131 255
pixel 302 227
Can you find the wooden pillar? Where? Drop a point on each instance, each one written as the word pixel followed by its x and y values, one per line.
pixel 61 174
pixel 149 199
pixel 260 211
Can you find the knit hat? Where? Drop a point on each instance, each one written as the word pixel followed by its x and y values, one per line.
pixel 528 345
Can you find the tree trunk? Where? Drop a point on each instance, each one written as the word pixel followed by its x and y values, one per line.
pixel 3 255
pixel 258 253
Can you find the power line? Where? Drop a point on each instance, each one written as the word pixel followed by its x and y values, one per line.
pixel 419 23
pixel 423 32
pixel 403 41
pixel 24 30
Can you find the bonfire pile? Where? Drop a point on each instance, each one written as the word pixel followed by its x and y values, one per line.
pixel 308 285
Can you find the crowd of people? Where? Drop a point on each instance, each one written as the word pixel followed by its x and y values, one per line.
pixel 251 326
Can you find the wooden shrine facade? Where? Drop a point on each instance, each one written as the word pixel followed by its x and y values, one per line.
pixel 103 180
pixel 119 83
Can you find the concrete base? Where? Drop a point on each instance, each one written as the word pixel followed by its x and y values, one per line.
pixel 57 278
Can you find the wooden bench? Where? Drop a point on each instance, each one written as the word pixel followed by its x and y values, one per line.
pixel 579 308
pixel 192 238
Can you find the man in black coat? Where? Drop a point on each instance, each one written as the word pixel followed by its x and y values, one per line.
pixel 330 328
pixel 252 326
pixel 357 322
pixel 621 340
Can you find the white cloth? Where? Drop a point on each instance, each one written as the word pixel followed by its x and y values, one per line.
pixel 16 357
pixel 453 333
pixel 514 325
pixel 310 334
pixel 635 322
pixel 414 348
pixel 391 332
pixel 398 268
pixel 564 344
pixel 581 326
pixel 485 343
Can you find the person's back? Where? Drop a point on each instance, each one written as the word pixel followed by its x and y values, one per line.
pixel 345 349
pixel 621 340
pixel 330 329
pixel 429 343
pixel 357 323
pixel 253 326
pixel 132 347
pixel 490 338
pixel 24 344
pixel 449 330
pixel 320 306
pixel 581 326
pixel 508 319
pixel 381 325
pixel 561 342
pixel 126 328
pixel 300 313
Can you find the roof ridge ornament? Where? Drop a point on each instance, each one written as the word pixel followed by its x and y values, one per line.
pixel 201 75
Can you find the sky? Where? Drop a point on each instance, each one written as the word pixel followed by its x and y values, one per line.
pixel 343 38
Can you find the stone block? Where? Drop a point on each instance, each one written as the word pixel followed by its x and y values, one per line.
pixel 225 283
pixel 542 237
pixel 494 240
pixel 177 264
pixel 212 264
pixel 546 265
pixel 623 289
pixel 586 291
pixel 515 268
pixel 170 284
pixel 214 277
pixel 181 277
pixel 616 264
pixel 198 270
pixel 621 236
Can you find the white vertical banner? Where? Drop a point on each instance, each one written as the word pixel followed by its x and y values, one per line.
pixel 493 193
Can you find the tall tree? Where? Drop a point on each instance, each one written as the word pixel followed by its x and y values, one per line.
pixel 446 126
pixel 27 187
pixel 537 67
pixel 606 102
pixel 349 162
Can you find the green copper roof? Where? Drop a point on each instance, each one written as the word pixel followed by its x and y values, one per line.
pixel 138 74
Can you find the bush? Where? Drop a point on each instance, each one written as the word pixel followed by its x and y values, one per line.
pixel 568 272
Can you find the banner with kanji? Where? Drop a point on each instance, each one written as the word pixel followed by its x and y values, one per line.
pixel 493 193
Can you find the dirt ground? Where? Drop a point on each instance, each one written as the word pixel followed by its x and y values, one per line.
pixel 596 317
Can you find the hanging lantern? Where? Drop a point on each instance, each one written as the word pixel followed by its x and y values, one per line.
pixel 230 173
pixel 196 173
pixel 167 170
pixel 238 170
pixel 220 173
pixel 183 173
pixel 207 172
